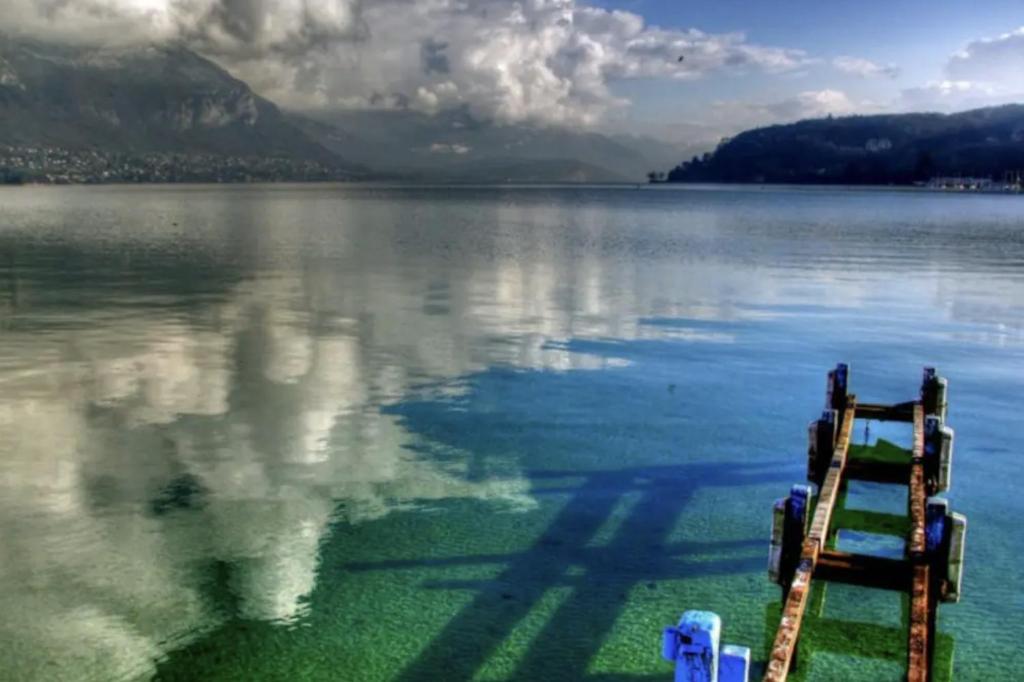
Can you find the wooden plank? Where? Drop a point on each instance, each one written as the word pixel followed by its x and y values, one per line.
pixel 918 497
pixel 796 603
pixel 864 570
pixel 918 668
pixel 830 488
pixel 792 615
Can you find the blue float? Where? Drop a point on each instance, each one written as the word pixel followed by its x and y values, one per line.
pixel 695 646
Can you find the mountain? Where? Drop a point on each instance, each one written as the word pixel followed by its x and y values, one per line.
pixel 88 114
pixel 146 99
pixel 164 113
pixel 884 149
pixel 455 146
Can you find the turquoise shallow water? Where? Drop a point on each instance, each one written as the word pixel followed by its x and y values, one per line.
pixel 371 433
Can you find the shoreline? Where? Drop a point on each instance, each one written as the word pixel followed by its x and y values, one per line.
pixel 453 185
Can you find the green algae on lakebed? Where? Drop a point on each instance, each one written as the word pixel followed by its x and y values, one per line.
pixel 881 452
pixel 571 589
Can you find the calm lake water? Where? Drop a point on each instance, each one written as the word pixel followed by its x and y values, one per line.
pixel 366 433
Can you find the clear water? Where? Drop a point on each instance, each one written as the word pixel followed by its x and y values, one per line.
pixel 370 433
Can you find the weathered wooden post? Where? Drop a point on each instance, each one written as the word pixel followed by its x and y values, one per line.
pixel 822 433
pixel 938 454
pixel 945 534
pixel 953 586
pixel 934 391
pixel 791 517
pixel 821 441
pixel 695 646
pixel 790 523
pixel 838 388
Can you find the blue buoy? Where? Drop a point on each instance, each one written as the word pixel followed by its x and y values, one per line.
pixel 695 646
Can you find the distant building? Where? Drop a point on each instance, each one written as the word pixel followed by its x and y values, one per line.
pixel 1011 183
pixel 882 144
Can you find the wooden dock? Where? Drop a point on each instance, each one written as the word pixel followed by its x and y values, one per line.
pixel 805 528
pixel 930 571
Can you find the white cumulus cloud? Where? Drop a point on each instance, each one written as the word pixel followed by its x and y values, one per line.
pixel 948 96
pixel 229 27
pixel 986 72
pixel 735 115
pixel 998 62
pixel 865 68
pixel 545 61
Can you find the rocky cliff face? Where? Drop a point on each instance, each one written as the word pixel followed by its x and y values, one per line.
pixel 8 77
pixel 218 112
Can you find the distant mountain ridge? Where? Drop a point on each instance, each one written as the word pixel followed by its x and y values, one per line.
pixel 165 113
pixel 144 99
pixel 881 149
pixel 455 146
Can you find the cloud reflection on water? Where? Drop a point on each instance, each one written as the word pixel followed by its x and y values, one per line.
pixel 144 447
pixel 157 420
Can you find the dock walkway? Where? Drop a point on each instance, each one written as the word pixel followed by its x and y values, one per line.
pixel 805 530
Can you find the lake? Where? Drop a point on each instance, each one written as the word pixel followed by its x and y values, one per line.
pixel 390 433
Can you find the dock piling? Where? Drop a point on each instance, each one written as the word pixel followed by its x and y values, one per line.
pixel 934 391
pixel 821 444
pixel 938 451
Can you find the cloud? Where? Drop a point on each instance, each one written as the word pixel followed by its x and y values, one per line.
pixel 545 61
pixel 445 148
pixel 865 68
pixel 986 72
pixel 949 96
pixel 239 28
pixel 733 116
pixel 997 62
